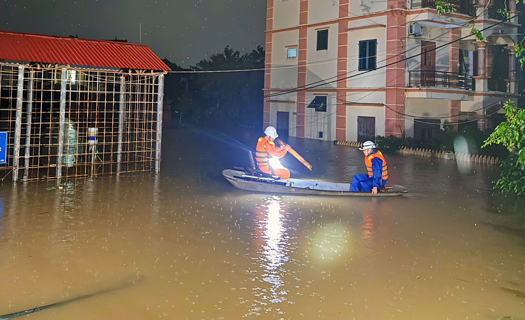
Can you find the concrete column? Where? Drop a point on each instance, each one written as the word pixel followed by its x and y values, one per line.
pixel 513 11
pixel 482 124
pixel 482 58
pixel 268 62
pixel 302 69
pixel 342 71
pixel 512 6
pixel 481 79
pixel 455 34
pixel 481 13
pixel 513 84
pixel 454 114
pixel 395 71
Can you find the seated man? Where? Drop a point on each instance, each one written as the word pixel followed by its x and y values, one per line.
pixel 266 150
pixel 377 171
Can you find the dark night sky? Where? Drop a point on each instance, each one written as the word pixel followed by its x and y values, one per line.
pixel 184 31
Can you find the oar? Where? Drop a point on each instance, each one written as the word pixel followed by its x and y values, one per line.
pixel 61 303
pixel 297 156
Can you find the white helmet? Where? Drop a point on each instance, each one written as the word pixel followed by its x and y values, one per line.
pixel 368 145
pixel 270 131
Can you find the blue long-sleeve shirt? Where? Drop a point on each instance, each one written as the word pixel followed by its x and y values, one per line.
pixel 377 171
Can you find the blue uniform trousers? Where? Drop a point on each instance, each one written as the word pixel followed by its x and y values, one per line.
pixel 363 183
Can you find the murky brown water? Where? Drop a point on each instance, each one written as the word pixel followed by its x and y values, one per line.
pixel 187 245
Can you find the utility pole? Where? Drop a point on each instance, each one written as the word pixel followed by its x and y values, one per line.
pixel 140 31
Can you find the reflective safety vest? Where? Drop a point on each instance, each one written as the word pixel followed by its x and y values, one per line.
pixel 368 163
pixel 261 155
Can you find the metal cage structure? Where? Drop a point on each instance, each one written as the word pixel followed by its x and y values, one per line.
pixel 64 122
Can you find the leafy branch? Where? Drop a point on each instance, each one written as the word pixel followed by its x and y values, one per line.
pixel 443 7
pixel 505 15
pixel 511 135
pixel 520 52
pixel 477 33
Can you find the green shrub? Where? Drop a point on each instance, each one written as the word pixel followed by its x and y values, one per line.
pixel 511 135
pixel 444 139
pixel 390 145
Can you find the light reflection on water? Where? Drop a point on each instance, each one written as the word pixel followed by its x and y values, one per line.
pixel 209 251
pixel 274 244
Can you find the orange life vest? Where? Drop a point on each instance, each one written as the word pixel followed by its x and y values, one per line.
pixel 261 155
pixel 368 163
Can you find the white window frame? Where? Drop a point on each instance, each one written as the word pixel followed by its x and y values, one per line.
pixel 291 49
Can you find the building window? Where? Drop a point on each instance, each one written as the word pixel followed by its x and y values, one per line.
pixel 322 39
pixel 367 55
pixel 319 103
pixel 292 53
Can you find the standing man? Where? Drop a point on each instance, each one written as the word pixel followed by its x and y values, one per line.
pixel 266 151
pixel 377 171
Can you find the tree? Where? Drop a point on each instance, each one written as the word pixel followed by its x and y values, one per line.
pixel 176 88
pixel 511 134
pixel 233 97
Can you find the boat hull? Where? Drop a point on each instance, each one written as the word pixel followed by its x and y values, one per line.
pixel 244 181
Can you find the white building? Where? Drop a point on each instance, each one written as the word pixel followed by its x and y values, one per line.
pixel 352 70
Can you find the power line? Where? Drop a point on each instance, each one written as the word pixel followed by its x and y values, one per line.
pixel 474 120
pixel 381 67
pixel 404 53
pixel 313 63
pixel 337 109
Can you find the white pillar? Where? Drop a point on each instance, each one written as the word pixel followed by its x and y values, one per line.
pixel 160 106
pixel 121 119
pixel 18 122
pixel 63 93
pixel 28 126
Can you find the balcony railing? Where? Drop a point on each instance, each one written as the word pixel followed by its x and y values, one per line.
pixel 461 6
pixel 439 79
pixel 498 84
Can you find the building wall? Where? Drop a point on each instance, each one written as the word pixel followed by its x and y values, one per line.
pixel 284 70
pixel 316 121
pixel 440 37
pixel 286 14
pixel 352 112
pixel 322 10
pixel 425 108
pixel 284 107
pixel 348 23
pixel 322 64
pixel 362 7
pixel 372 79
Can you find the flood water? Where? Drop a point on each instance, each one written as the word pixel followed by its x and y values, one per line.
pixel 187 245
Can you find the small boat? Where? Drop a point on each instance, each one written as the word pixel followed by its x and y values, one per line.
pixel 254 180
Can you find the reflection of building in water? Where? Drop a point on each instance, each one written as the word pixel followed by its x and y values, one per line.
pixel 375 212
pixel 370 220
pixel 273 245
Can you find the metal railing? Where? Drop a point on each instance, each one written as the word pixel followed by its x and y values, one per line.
pixel 71 123
pixel 461 6
pixel 439 79
pixel 498 84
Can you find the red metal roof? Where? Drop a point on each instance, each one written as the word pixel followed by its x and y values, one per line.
pixel 77 52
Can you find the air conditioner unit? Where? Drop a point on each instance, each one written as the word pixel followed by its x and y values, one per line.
pixel 415 30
